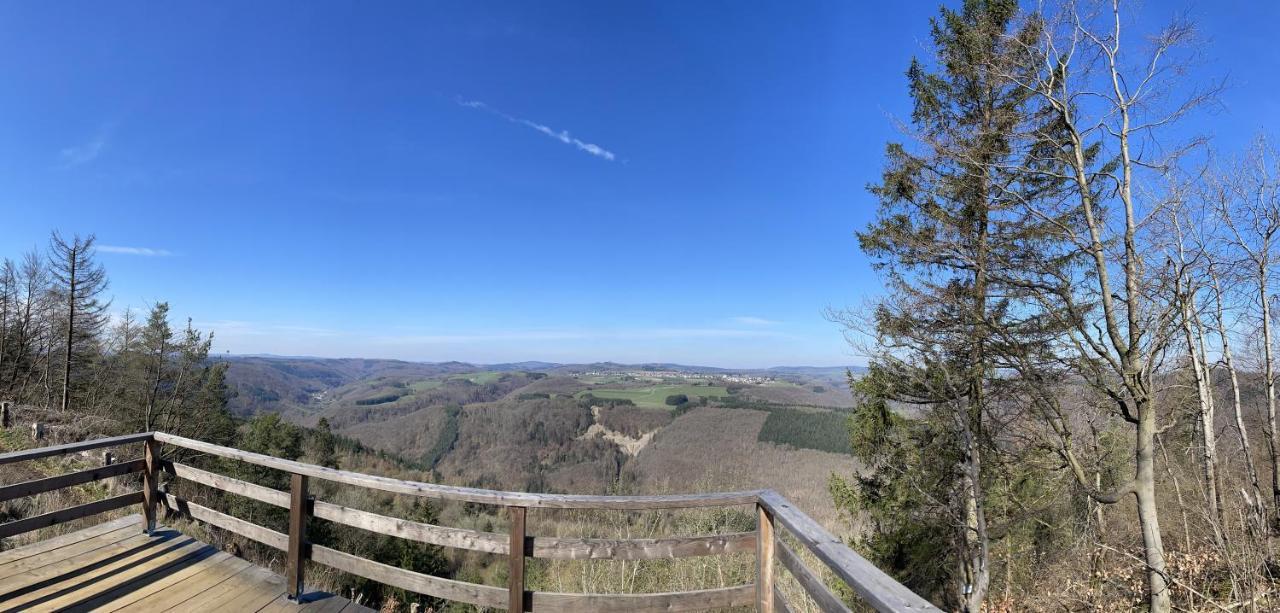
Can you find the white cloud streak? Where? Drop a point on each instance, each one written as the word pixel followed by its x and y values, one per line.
pixel 84 153
pixel 748 320
pixel 143 251
pixel 562 135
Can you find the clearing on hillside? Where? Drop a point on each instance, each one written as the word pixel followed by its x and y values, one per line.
pixel 655 396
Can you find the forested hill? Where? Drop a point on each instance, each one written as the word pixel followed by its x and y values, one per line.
pixel 285 383
pixel 581 428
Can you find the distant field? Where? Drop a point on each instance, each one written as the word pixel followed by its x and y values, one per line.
pixel 481 378
pixel 425 385
pixel 656 396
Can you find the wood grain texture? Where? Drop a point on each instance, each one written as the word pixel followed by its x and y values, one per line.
pixel 546 547
pixel 515 558
pixel 249 530
pixel 150 483
pixel 44 452
pixel 875 587
pixel 85 541
pixel 57 482
pixel 228 484
pixel 449 589
pixel 297 552
pixel 63 540
pixel 488 542
pixel 812 583
pixel 469 494
pixel 562 548
pixel 698 600
pixel 65 515
pixel 779 601
pixel 765 545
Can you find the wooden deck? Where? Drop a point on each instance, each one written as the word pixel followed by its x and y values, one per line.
pixel 114 566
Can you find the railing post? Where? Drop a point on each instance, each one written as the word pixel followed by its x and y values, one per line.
pixel 299 510
pixel 150 487
pixel 515 576
pixel 764 559
pixel 6 420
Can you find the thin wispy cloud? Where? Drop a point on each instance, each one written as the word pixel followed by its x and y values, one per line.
pixel 748 320
pixel 561 135
pixel 143 251
pixel 89 151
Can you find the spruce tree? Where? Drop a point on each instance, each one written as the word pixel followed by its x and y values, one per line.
pixel 949 223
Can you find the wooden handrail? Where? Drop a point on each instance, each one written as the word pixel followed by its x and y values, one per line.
pixel 772 511
pixel 872 584
pixel 61 516
pixel 98 443
pixel 469 494
pixel 57 482
pixel 813 586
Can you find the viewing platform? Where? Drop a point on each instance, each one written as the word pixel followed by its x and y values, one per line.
pixel 135 564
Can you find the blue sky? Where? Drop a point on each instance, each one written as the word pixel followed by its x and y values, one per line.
pixel 675 181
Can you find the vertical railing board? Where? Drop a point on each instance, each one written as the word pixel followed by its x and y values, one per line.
pixel 764 560
pixel 515 576
pixel 298 513
pixel 150 485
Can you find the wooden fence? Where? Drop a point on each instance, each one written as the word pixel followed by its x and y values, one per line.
pixel 774 515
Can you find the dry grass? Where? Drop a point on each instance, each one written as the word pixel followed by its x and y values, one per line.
pixel 717 449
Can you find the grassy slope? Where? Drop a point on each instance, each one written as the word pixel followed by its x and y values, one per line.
pixel 711 448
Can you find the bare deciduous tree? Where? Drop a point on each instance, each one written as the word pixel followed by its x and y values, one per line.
pixel 1116 303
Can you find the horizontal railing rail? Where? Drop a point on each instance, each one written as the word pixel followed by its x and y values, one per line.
pixel 772 510
pixel 57 482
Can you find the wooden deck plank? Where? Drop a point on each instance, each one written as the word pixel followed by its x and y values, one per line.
pixel 86 564
pixel 72 550
pixel 264 587
pixel 211 560
pixel 115 567
pixel 137 578
pixel 212 598
pixel 67 578
pixel 46 545
pixel 211 576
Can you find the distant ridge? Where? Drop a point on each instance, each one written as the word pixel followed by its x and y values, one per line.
pixel 536 365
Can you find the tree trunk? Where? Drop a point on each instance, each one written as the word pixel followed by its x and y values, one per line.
pixel 1237 408
pixel 71 328
pixel 975 543
pixel 1148 518
pixel 1208 443
pixel 1269 375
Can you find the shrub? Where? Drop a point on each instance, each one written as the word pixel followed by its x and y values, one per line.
pixel 676 400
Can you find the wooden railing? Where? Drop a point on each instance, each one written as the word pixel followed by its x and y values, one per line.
pixel 774 515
